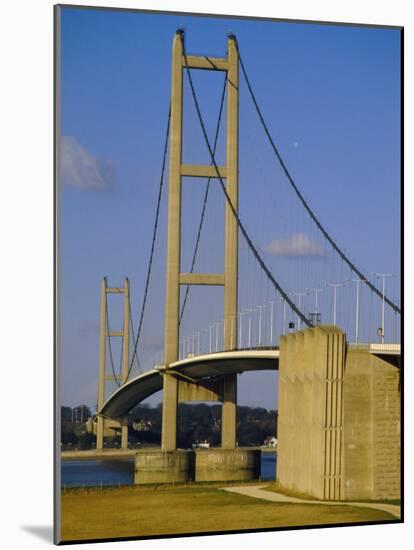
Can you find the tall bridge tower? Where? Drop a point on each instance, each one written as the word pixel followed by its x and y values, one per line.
pixel 107 426
pixel 175 278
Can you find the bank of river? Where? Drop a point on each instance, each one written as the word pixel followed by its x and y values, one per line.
pixel 92 473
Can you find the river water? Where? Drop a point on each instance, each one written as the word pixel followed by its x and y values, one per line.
pixel 92 473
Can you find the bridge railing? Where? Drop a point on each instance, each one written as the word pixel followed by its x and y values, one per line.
pixel 376 347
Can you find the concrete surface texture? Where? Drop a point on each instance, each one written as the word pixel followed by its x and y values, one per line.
pixel 311 368
pixel 227 464
pixel 339 418
pixel 179 466
pixel 371 431
pixel 159 466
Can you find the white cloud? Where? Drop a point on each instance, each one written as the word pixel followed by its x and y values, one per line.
pixel 81 169
pixel 298 244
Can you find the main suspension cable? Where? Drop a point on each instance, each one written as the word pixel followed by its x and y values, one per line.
pixel 133 335
pixel 301 197
pixel 205 199
pixel 154 236
pixel 232 208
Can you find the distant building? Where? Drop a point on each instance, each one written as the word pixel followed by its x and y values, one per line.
pixel 80 414
pixel 142 425
pixel 270 441
pixel 204 445
pixel 66 414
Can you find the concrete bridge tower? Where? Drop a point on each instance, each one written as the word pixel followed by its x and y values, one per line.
pixel 175 278
pixel 108 426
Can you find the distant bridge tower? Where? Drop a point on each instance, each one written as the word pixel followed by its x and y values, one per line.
pixel 175 278
pixel 105 425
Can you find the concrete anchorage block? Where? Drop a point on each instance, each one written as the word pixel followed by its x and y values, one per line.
pixel 227 464
pixel 158 466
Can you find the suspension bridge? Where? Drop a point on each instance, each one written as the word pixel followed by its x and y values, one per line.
pixel 338 358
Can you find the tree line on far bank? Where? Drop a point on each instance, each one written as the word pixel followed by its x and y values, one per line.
pixel 196 423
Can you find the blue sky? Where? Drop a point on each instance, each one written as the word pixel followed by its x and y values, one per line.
pixel 331 97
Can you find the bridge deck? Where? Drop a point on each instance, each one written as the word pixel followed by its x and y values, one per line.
pixel 199 367
pixel 208 366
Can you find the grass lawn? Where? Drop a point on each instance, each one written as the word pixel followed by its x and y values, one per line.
pixel 136 511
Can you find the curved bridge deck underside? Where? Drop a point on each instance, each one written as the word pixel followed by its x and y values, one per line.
pixel 207 367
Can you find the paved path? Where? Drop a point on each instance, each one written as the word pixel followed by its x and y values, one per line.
pixel 259 491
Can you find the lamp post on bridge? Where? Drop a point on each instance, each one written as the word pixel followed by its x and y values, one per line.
pixel 316 313
pixel 210 328
pixel 218 323
pixel 206 331
pixel 249 334
pixel 335 286
pixel 233 331
pixel 382 276
pixel 272 303
pixel 241 313
pixel 198 342
pixel 358 282
pixel 284 314
pixel 299 296
pixel 260 307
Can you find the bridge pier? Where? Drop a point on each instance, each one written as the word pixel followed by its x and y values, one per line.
pixel 160 466
pixel 229 412
pixel 227 464
pixel 124 432
pixel 169 413
pixel 183 466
